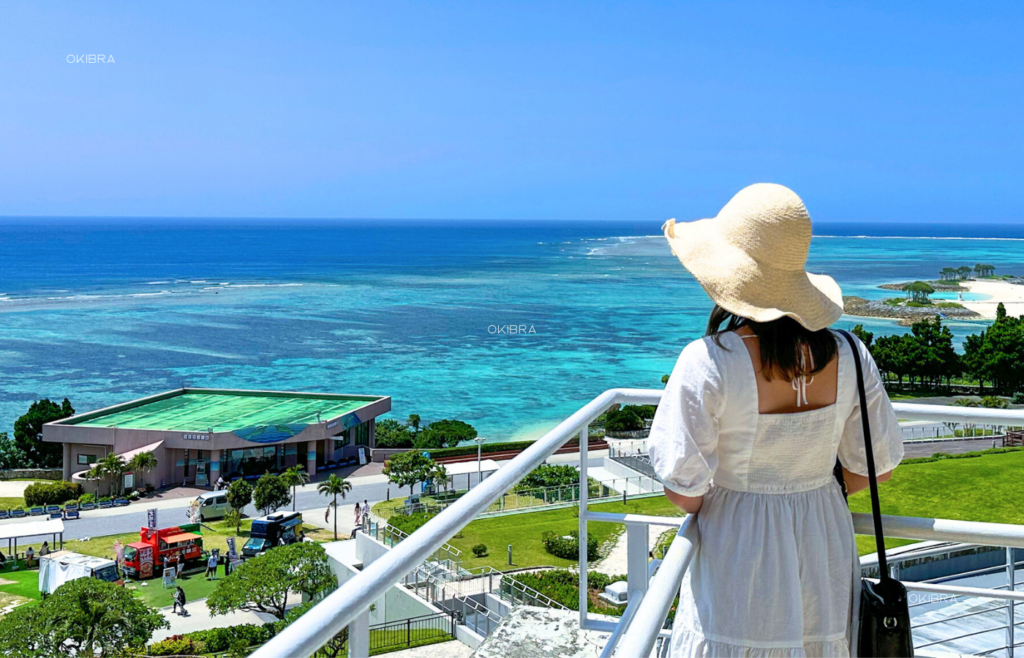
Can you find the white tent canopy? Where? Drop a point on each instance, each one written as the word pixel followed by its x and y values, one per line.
pixel 469 470
pixel 31 529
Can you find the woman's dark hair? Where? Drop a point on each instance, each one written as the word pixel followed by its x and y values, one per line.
pixel 780 342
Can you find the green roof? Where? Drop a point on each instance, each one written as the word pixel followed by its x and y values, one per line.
pixel 224 411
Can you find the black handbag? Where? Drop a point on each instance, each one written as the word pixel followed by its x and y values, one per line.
pixel 884 609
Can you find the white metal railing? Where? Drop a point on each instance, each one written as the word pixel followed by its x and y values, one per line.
pixel 636 634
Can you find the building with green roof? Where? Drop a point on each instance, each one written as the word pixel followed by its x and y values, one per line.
pixel 199 435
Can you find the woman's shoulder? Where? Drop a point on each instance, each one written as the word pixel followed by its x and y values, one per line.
pixel 706 353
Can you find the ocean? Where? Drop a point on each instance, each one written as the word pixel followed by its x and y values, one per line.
pixel 102 311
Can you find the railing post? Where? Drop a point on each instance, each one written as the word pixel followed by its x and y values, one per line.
pixel 408 632
pixel 584 590
pixel 359 636
pixel 637 551
pixel 1011 576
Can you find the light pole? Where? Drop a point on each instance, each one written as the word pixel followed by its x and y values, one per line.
pixel 479 449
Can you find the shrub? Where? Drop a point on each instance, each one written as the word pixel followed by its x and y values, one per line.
pixel 87 498
pixel 993 402
pixel 409 524
pixel 51 493
pixel 213 640
pixel 568 548
pixel 562 586
pixel 626 419
pixel 1018 398
pixel 480 550
pixel 550 475
pixel 177 645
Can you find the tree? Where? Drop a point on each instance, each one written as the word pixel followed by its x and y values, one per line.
pixel 114 467
pixel 334 486
pixel 262 583
pixel 444 434
pixel 964 271
pixel 439 475
pixel 11 456
pixel 144 462
pixel 239 494
pixel 919 291
pixel 270 493
pixel 233 518
pixel 865 337
pixel 83 617
pixel 414 423
pixel 408 468
pixel 393 434
pixel 997 354
pixel 295 476
pixel 28 431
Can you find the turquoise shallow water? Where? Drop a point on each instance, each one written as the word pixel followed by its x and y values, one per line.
pixel 106 312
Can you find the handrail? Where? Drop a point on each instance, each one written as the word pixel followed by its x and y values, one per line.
pixel 951 414
pixel 313 629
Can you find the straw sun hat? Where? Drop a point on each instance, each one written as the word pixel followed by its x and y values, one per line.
pixel 750 258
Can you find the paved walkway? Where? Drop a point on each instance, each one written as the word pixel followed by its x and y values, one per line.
pixel 453 649
pixel 13 488
pixel 617 562
pixel 199 618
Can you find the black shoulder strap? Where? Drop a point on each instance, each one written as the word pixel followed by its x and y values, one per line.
pixel 876 512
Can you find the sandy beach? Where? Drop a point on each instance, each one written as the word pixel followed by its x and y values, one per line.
pixel 1010 294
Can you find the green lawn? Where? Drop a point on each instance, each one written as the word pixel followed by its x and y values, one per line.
pixel 524 532
pixel 985 488
pixel 195 586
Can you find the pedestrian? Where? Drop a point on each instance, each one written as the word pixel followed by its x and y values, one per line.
pixel 179 602
pixel 327 514
pixel 44 549
pixel 754 417
pixel 358 512
pixel 211 566
pixel 29 555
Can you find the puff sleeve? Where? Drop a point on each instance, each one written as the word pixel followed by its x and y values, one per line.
pixel 683 443
pixel 886 435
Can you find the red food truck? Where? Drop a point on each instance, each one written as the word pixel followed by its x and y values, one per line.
pixel 145 558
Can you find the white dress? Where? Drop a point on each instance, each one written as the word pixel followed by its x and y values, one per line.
pixel 776 570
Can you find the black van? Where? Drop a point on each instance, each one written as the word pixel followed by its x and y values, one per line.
pixel 277 529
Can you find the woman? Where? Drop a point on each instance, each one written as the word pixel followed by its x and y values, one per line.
pixel 747 434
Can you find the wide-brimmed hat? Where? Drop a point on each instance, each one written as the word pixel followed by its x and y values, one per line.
pixel 750 259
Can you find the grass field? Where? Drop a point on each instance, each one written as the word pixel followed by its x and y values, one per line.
pixel 215 535
pixel 524 531
pixel 984 488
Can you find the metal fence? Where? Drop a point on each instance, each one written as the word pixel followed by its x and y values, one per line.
pixel 412 632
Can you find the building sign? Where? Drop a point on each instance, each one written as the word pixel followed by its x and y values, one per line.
pixel 151 518
pixel 196 437
pixel 332 424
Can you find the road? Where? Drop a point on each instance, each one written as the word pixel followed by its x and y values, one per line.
pixel 373 488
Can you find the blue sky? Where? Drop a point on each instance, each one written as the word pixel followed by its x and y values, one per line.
pixel 871 111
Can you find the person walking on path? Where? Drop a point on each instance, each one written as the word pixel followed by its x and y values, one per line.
pixel 748 432
pixel 358 513
pixel 179 602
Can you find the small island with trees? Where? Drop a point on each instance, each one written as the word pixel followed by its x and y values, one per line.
pixel 917 304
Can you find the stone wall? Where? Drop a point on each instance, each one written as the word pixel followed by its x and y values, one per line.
pixel 36 473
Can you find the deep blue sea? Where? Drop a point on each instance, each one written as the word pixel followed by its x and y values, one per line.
pixel 103 311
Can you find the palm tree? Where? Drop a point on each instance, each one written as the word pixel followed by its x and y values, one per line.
pixel 144 462
pixel 414 421
pixel 113 466
pixel 333 486
pixel 296 476
pixel 439 475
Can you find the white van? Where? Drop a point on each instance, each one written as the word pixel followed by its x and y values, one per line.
pixel 211 505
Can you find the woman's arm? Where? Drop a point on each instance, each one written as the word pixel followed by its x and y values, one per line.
pixel 689 504
pixel 854 482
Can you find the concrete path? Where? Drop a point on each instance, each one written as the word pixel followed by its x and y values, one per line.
pixel 617 563
pixel 13 488
pixel 199 618
pixel 453 649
